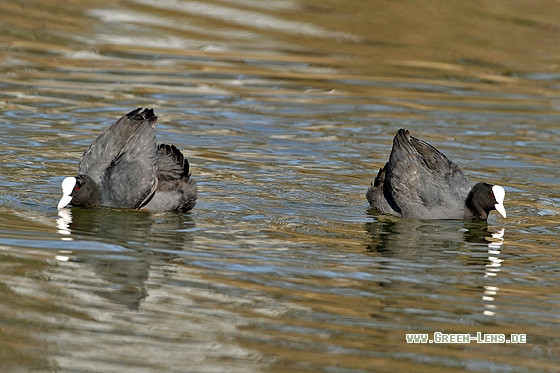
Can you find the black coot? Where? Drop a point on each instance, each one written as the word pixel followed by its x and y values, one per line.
pixel 420 182
pixel 125 168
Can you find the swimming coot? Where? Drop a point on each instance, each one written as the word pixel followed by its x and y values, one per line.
pixel 420 182
pixel 125 168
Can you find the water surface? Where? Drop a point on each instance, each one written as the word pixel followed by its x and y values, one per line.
pixel 285 110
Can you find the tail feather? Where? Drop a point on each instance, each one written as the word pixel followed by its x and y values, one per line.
pixel 172 164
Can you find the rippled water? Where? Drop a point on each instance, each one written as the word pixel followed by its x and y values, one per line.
pixel 285 110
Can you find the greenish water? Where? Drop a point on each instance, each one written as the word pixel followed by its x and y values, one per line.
pixel 285 110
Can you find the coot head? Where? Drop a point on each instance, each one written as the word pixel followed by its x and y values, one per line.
pixel 79 191
pixel 484 198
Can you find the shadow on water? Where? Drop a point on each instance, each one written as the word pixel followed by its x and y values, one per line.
pixel 130 239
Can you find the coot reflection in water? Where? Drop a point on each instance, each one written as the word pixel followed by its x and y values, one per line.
pixel 127 241
pixel 392 235
pixel 427 256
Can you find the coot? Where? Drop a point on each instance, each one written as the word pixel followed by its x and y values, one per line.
pixel 420 182
pixel 125 168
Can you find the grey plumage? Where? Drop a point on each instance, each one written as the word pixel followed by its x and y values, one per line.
pixel 125 168
pixel 420 182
